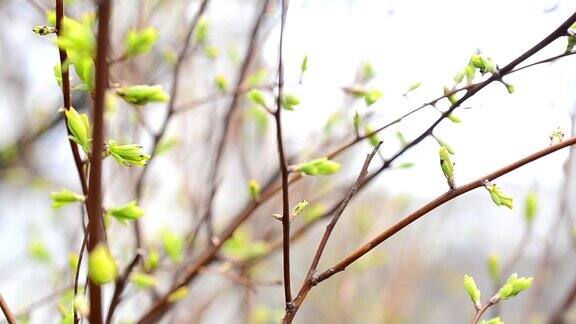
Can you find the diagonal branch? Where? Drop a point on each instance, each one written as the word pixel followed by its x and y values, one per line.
pixel 7 312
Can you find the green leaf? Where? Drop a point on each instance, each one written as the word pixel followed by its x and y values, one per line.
pixel 453 118
pixel 211 52
pixel 166 145
pixel 472 290
pixel 373 138
pixel 173 245
pixel 257 97
pixel 509 88
pixel 152 260
pixel 127 155
pixel 493 265
pixel 451 97
pixel 406 165
pixel 58 74
pixel 320 166
pixel 142 94
pixel 368 71
pixel 531 207
pixel 140 41
pixel 64 197
pixel 401 138
pixel 447 166
pixel 514 286
pixel 304 64
pixel 240 246
pixel 299 208
pixel 143 281
pixel 413 87
pixel 289 101
pixel 102 266
pixel 372 96
pixel 201 31
pixel 257 78
pixel 444 144
pixel 314 212
pixel 80 130
pixel 498 196
pixel 221 82
pixel 129 211
pixel 254 188
pixel 495 320
pixel 38 251
pixel 178 294
pixel 81 305
pixel 357 120
pixel 73 261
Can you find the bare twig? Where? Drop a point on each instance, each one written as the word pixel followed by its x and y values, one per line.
pixel 308 282
pixel 7 312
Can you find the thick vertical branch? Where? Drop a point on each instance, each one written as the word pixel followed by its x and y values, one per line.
pixel 283 169
pixel 95 226
pixel 7 312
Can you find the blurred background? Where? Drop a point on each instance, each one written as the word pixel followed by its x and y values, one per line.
pixel 389 45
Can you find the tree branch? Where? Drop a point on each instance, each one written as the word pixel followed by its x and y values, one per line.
pixel 7 312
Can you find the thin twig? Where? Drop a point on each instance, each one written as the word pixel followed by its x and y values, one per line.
pixel 283 168
pixel 308 282
pixel 7 312
pixel 119 287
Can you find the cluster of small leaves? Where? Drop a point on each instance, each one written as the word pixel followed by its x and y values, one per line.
pixel 127 212
pixel 254 188
pixel 139 95
pixel 64 197
pixel 319 166
pixel 140 41
pixel 128 154
pixel 241 246
pixel 571 38
pixel 173 245
pixel 498 196
pixel 80 130
pixel 77 38
pixel 511 288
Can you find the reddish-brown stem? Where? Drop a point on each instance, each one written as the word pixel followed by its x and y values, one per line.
pixel 308 282
pixel 171 104
pixel 480 312
pixel 7 312
pixel 119 288
pixel 283 168
pixel 95 226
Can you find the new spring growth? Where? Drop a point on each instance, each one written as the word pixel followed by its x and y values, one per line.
pixel 81 305
pixel 78 39
pixel 79 127
pixel 143 281
pixel 485 65
pixel 44 30
pixel 447 166
pixel 530 207
pixel 557 136
pixel 299 208
pixel 571 38
pixel 513 287
pixel 101 265
pixel 320 166
pixel 495 320
pixel 373 138
pixel 142 94
pixel 255 189
pixel 178 294
pixel 498 196
pixel 472 290
pixel 173 245
pixel 221 82
pixel 493 265
pixel 140 41
pixel 257 97
pixel 128 154
pixel 127 212
pixel 64 197
pixel 304 64
pixel 357 120
pixel 451 96
pixel 201 31
pixel 289 101
pixel 371 96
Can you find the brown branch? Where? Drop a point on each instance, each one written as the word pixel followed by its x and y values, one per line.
pixel 283 168
pixel 171 109
pixel 308 282
pixel 214 167
pixel 95 225
pixel 119 287
pixel 481 311
pixel 7 312
pixel 458 191
pixel 567 302
pixel 77 274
